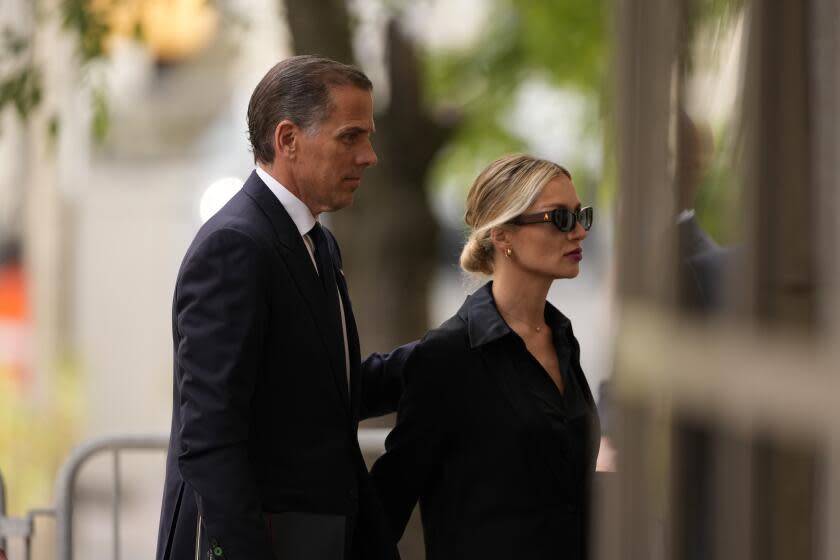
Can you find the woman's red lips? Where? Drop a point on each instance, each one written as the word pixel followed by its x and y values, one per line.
pixel 577 254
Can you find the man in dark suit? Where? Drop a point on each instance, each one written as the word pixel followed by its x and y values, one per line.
pixel 704 263
pixel 264 460
pixel 703 260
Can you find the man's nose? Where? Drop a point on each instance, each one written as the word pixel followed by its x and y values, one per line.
pixel 367 157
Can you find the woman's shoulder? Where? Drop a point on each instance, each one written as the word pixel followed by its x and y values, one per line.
pixel 442 352
pixel 449 339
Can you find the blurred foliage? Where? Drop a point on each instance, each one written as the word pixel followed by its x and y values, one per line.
pixel 100 121
pixel 564 42
pixel 568 44
pixel 20 81
pixel 88 20
pixel 705 25
pixel 35 437
pixel 703 15
pixel 718 200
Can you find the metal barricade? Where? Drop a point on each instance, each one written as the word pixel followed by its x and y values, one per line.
pixel 22 528
pixel 370 440
pixel 69 473
pixel 18 527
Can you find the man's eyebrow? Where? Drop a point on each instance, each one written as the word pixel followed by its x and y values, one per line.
pixel 356 130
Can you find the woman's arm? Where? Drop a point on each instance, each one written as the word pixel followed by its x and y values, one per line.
pixel 416 445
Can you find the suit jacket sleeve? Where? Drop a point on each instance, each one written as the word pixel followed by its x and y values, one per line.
pixel 220 314
pixel 382 381
pixel 417 444
pixel 381 374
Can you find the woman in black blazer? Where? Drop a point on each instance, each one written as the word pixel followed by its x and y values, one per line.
pixel 497 431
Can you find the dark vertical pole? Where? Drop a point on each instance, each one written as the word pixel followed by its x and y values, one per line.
pixel 644 65
pixel 781 198
pixel 783 229
pixel 645 62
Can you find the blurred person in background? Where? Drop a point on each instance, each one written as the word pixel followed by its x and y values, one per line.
pixel 264 461
pixel 704 261
pixel 497 431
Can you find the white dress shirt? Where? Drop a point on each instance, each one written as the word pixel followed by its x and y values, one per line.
pixel 685 215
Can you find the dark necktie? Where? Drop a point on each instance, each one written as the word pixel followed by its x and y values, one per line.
pixel 323 260
pixel 326 272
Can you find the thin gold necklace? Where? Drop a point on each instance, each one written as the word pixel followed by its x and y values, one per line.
pixel 529 325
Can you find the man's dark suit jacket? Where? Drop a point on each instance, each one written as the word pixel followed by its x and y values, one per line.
pixel 705 267
pixel 262 421
pixel 493 478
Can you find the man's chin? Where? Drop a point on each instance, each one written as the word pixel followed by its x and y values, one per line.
pixel 345 202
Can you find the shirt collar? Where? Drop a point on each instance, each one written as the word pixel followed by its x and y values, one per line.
pixel 685 215
pixel 297 210
pixel 485 324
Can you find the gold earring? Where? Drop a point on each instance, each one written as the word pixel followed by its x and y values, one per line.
pixel 508 252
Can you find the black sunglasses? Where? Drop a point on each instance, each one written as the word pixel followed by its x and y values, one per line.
pixel 563 218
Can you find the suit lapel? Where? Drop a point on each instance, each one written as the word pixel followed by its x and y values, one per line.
pixel 501 368
pixel 290 245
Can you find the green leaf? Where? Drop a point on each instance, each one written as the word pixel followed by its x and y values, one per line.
pixel 90 25
pixel 21 89
pixel 101 119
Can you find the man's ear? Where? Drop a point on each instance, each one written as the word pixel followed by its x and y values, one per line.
pixel 286 135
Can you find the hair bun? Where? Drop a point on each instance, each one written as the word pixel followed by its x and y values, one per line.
pixel 476 258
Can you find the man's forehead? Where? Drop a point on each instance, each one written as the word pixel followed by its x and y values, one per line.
pixel 351 107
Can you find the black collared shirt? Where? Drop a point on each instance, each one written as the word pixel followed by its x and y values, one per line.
pixel 499 459
pixel 568 417
pixel 566 412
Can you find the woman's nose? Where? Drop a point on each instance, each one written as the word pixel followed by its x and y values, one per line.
pixel 578 232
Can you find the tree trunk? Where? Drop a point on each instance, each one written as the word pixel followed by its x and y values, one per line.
pixel 388 237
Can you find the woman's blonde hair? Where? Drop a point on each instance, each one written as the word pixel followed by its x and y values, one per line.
pixel 504 190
